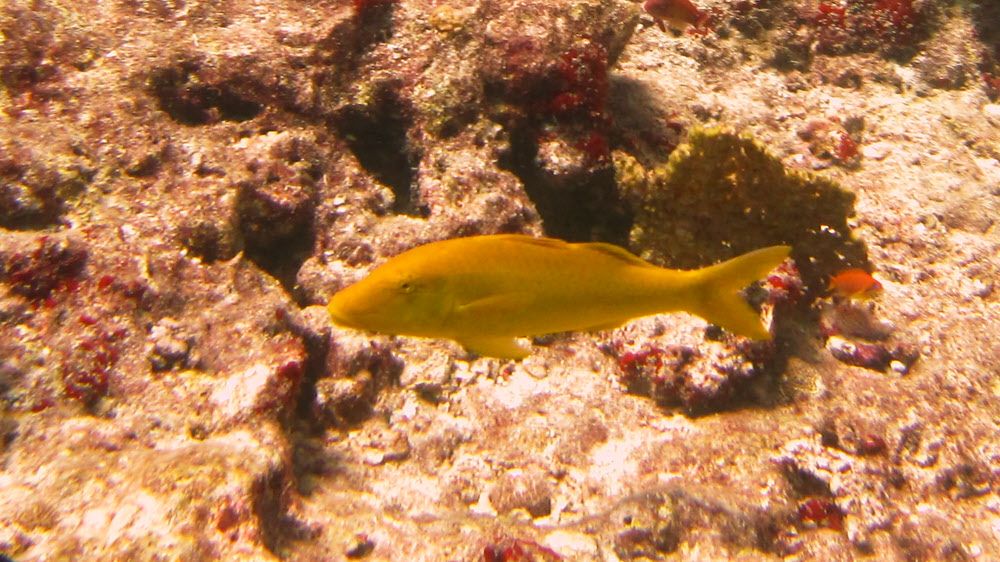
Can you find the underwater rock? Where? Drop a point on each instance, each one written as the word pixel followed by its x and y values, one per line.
pixel 700 379
pixel 233 483
pixel 523 488
pixel 945 61
pixel 209 228
pixel 42 264
pixel 859 504
pixel 875 356
pixel 360 369
pixel 183 185
pixel 276 201
pixel 35 188
pixel 853 320
pixel 380 444
pixel 893 28
pixel 659 523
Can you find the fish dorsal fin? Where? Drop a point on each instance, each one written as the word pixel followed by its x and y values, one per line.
pixel 616 252
pixel 608 249
pixel 525 239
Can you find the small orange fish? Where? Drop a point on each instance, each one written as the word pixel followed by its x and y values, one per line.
pixel 679 14
pixel 854 283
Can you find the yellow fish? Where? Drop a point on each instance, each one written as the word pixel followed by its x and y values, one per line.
pixel 485 292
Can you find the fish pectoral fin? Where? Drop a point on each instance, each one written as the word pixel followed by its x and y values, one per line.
pixel 500 347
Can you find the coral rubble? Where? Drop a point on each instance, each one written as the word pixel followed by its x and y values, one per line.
pixel 183 185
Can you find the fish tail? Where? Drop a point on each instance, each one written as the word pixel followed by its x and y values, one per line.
pixel 717 291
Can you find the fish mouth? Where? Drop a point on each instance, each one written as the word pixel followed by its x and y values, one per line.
pixel 338 316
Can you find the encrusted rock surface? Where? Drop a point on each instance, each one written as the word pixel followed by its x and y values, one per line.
pixel 184 184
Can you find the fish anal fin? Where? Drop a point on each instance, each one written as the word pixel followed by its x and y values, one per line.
pixel 499 347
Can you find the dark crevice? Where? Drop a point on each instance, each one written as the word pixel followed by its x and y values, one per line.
pixel 8 427
pixel 29 207
pixel 34 195
pixel 377 135
pixel 589 209
pixel 804 484
pixel 317 347
pixel 276 239
pixel 302 426
pixel 269 508
pixel 283 260
pixel 637 127
pixel 279 528
pixel 339 391
pixel 373 21
pixel 186 99
pixel 986 19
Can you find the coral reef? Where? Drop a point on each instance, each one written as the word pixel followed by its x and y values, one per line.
pixel 890 26
pixel 183 185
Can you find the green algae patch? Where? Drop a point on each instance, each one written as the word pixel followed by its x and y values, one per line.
pixel 722 194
